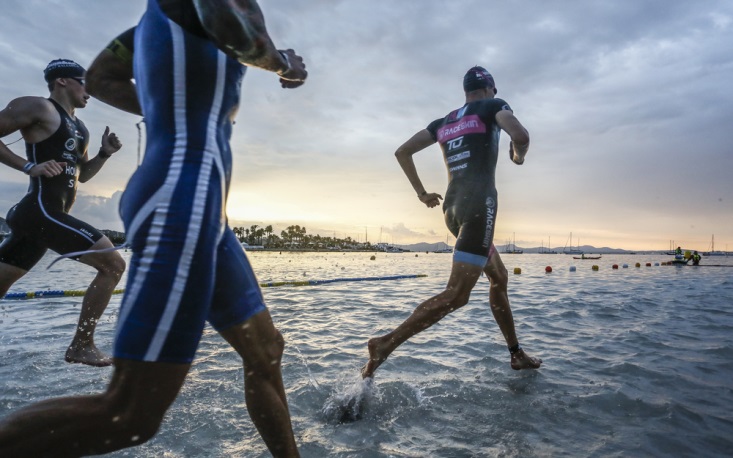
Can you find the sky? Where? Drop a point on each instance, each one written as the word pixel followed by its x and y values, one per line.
pixel 626 102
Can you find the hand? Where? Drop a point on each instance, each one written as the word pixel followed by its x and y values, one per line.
pixel 512 155
pixel 430 199
pixel 48 169
pixel 295 76
pixel 110 143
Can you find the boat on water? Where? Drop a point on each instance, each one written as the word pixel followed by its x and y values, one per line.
pixel 511 248
pixel 712 251
pixel 444 250
pixel 547 250
pixel 583 256
pixel 569 247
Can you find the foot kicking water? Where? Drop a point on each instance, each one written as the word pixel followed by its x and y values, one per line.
pixel 88 354
pixel 377 355
pixel 521 360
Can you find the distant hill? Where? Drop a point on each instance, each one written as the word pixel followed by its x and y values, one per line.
pixel 587 249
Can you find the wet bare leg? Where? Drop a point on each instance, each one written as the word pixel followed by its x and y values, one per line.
pixel 260 345
pixel 499 301
pixel 9 275
pixel 110 267
pixel 462 280
pixel 127 414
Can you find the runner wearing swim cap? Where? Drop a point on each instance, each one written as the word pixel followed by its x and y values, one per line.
pixel 56 161
pixel 469 139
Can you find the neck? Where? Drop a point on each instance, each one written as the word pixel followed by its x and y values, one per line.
pixel 480 94
pixel 64 102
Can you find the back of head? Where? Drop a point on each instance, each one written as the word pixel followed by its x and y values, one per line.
pixel 62 68
pixel 477 78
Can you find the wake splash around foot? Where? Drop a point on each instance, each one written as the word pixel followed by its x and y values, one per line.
pixel 351 404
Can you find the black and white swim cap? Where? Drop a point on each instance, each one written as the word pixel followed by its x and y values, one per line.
pixel 477 78
pixel 62 68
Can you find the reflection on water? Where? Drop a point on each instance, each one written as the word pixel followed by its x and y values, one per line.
pixel 637 361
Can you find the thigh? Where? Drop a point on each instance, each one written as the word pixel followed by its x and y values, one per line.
pixel 24 247
pixel 66 234
pixel 172 270
pixel 21 251
pixel 237 294
pixel 476 234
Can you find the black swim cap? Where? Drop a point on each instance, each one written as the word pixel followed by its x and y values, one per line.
pixel 62 68
pixel 477 78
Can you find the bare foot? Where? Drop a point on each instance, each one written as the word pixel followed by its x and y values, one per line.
pixel 521 360
pixel 89 355
pixel 376 358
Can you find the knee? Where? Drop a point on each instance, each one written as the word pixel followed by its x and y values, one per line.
pixel 499 279
pixel 114 267
pixel 264 360
pixel 456 298
pixel 126 424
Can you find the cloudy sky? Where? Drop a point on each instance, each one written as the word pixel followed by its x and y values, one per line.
pixel 630 117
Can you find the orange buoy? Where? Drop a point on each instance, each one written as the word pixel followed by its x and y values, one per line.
pixel 648 264
pixel 615 266
pixel 548 269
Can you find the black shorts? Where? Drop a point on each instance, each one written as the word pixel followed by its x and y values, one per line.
pixel 472 219
pixel 35 229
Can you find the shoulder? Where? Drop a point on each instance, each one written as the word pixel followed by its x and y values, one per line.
pixel 29 109
pixel 30 102
pixel 496 105
pixel 123 45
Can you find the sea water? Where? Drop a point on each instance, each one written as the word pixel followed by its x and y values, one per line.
pixel 638 361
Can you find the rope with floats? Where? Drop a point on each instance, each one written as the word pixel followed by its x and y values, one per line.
pixel 71 293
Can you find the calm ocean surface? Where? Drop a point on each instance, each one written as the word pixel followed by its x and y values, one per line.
pixel 637 361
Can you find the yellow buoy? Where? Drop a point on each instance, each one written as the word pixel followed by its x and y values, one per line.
pixel 517 271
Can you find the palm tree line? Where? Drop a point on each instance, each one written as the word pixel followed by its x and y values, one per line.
pixel 294 237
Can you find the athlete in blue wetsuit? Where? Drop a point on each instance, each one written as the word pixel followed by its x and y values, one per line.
pixel 56 160
pixel 187 266
pixel 469 138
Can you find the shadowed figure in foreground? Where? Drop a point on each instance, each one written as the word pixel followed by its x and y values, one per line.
pixel 182 68
pixel 469 139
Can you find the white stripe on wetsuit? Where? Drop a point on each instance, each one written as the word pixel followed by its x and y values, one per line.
pixel 43 209
pixel 160 202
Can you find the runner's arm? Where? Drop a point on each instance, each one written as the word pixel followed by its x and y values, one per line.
pixel 237 27
pixel 22 113
pixel 404 153
pixel 110 77
pixel 519 136
pixel 110 145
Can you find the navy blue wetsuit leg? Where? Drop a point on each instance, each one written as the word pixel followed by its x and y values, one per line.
pixel 187 266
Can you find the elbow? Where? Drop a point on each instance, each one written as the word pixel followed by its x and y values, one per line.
pixel 521 138
pixel 401 153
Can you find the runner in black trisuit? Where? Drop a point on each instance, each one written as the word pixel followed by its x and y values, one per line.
pixel 56 150
pixel 469 138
